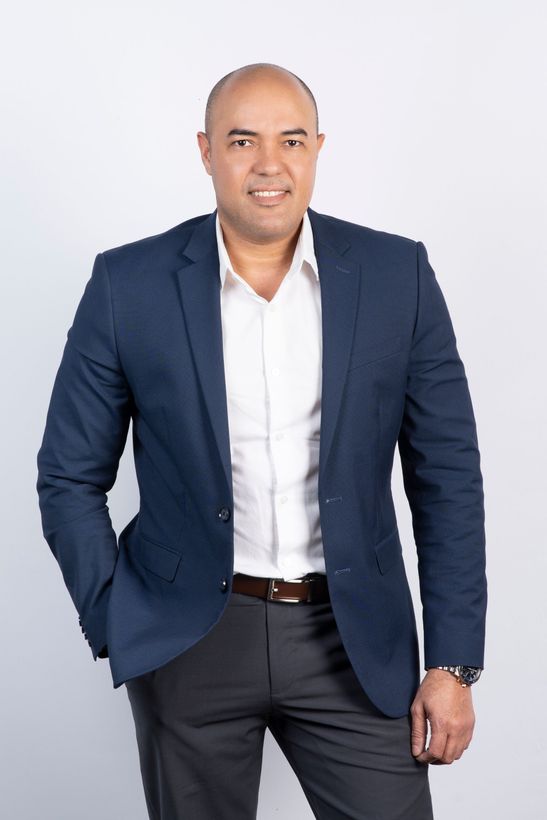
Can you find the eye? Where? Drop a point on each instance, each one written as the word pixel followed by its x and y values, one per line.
pixel 242 140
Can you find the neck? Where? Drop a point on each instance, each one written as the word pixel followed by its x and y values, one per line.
pixel 248 256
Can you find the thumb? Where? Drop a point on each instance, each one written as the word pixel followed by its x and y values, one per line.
pixel 419 731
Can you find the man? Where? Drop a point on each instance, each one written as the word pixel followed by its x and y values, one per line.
pixel 271 358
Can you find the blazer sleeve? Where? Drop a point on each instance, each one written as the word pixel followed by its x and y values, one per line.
pixel 442 477
pixel 84 438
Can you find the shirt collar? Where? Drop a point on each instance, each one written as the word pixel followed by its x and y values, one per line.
pixel 303 252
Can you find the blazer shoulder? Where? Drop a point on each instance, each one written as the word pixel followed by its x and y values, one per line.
pixel 355 232
pixel 158 248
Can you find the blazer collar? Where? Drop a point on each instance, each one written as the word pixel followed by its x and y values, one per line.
pixel 204 236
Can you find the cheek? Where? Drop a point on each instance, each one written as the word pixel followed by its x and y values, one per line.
pixel 230 176
pixel 304 174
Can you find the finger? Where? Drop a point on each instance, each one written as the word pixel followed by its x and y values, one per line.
pixel 419 731
pixel 455 748
pixel 438 741
pixel 435 750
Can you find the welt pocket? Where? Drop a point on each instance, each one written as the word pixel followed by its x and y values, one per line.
pixel 374 351
pixel 157 557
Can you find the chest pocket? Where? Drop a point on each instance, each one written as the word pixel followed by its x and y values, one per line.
pixel 374 351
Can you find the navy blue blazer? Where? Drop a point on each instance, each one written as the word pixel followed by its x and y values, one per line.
pixel 146 345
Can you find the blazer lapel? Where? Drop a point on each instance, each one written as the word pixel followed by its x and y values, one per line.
pixel 339 283
pixel 199 285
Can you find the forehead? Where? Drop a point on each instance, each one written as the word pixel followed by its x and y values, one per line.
pixel 266 98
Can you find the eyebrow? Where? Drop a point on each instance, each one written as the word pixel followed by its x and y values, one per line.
pixel 246 133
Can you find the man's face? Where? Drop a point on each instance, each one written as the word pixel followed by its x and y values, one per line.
pixel 263 137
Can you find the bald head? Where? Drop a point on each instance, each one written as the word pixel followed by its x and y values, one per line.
pixel 253 71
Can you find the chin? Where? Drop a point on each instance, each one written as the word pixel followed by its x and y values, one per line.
pixel 271 227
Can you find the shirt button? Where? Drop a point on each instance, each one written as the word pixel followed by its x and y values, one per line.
pixel 283 499
pixel 275 371
pixel 278 436
pixel 224 584
pixel 224 513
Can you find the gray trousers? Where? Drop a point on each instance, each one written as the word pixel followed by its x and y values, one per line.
pixel 200 721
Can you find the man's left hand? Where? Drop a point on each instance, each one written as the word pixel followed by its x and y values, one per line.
pixel 449 707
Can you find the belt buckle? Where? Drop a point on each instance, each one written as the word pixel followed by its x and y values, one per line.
pixel 272 588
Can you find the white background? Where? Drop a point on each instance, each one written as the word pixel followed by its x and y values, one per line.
pixel 435 120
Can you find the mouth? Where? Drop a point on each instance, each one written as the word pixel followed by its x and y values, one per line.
pixel 267 197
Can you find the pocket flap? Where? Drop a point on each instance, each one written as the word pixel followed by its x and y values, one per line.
pixel 157 558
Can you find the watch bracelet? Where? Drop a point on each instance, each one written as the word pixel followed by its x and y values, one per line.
pixel 454 671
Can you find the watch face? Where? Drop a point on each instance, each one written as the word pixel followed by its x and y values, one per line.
pixel 470 674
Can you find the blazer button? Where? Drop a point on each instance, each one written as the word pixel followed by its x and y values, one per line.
pixel 224 585
pixel 224 513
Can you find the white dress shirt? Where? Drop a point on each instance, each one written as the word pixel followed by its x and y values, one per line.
pixel 273 368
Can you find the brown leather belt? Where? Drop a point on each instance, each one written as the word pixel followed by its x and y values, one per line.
pixel 311 588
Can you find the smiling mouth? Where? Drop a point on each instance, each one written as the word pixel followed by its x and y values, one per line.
pixel 268 197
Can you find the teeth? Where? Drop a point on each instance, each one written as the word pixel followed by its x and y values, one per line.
pixel 267 193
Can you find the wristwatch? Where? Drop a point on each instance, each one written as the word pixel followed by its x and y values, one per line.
pixel 465 675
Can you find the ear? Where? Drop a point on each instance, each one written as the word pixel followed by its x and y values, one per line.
pixel 205 150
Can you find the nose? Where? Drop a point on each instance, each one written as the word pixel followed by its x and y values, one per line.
pixel 268 161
